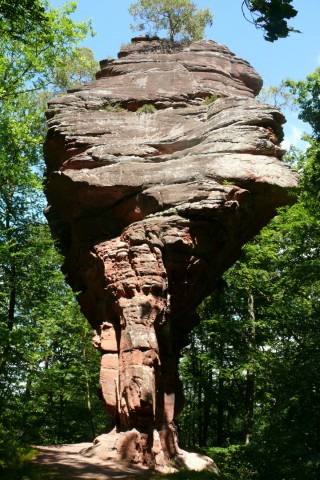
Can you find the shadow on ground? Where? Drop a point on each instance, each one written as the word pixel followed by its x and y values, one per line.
pixel 66 463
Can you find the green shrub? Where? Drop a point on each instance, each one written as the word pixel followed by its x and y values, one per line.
pixel 211 99
pixel 14 462
pixel 113 108
pixel 146 108
pixel 227 182
pixel 234 462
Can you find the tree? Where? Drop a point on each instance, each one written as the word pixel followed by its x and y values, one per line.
pixel 274 336
pixel 19 19
pixel 48 369
pixel 218 367
pixel 271 16
pixel 79 66
pixel 307 95
pixel 30 65
pixel 291 416
pixel 180 18
pixel 303 96
pixel 277 341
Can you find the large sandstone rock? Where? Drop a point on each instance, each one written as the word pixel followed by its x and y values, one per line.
pixel 150 209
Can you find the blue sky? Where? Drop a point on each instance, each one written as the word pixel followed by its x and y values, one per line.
pixel 294 57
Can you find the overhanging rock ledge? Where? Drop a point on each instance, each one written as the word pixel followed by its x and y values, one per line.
pixel 149 209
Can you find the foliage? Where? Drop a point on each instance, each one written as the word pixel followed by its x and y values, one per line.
pixel 180 18
pixel 251 371
pixel 113 108
pixel 15 465
pixel 12 454
pixel 279 96
pixel 146 108
pixel 25 470
pixel 32 65
pixel 271 16
pixel 307 95
pixel 234 462
pixel 48 369
pixel 281 269
pixel 302 95
pixel 265 321
pixel 78 67
pixel 19 19
pixel 211 99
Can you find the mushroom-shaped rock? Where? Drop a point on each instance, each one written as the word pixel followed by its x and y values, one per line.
pixel 150 209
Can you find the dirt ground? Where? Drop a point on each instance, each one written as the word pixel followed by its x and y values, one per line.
pixel 66 461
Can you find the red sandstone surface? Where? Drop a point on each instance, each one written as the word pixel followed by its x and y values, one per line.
pixel 150 209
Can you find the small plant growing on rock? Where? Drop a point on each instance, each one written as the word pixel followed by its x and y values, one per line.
pixel 113 108
pixel 211 99
pixel 124 46
pixel 146 108
pixel 118 108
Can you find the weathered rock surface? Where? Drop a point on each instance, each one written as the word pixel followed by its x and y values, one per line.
pixel 150 209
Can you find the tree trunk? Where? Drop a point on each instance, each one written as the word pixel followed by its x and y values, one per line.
pixel 10 319
pixel 200 410
pixel 88 390
pixel 250 379
pixel 206 408
pixel 60 424
pixel 220 411
pixel 11 272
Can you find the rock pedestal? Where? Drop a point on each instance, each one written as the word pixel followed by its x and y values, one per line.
pixel 150 209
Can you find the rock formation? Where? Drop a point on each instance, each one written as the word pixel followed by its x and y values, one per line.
pixel 149 210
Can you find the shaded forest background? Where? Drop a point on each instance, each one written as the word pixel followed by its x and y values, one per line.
pixel 251 371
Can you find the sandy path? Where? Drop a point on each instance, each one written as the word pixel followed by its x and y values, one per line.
pixel 66 460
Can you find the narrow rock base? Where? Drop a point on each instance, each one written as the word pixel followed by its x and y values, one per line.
pixel 145 451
